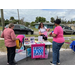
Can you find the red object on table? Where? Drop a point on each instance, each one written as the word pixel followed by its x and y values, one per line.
pixel 50 34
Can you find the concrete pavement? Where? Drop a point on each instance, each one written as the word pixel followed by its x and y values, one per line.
pixel 67 57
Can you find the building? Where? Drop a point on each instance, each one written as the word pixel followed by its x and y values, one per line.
pixel 48 25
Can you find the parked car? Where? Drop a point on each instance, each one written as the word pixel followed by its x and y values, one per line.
pixel 21 29
pixel 68 30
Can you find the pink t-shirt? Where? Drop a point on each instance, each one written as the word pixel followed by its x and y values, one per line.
pixel 59 32
pixel 20 37
pixel 8 35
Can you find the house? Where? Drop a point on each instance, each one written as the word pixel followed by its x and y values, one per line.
pixel 48 25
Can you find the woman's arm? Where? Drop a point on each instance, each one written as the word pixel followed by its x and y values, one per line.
pixel 48 29
pixel 53 35
pixel 40 33
pixel 15 39
pixel 13 36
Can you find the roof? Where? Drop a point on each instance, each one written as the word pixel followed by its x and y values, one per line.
pixel 45 23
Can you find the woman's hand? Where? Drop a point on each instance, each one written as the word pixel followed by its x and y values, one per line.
pixel 42 34
pixel 17 38
pixel 48 29
pixel 54 35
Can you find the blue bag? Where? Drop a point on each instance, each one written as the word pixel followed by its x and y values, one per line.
pixel 29 52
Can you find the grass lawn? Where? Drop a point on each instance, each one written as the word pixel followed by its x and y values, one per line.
pixel 3 48
pixel 29 35
pixel 0 28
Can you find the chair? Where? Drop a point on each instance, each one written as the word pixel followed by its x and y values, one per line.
pixel 67 42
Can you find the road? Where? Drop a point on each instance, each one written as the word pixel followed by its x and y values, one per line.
pixel 67 57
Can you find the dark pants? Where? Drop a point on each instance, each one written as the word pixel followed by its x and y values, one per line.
pixel 45 38
pixel 11 54
pixel 55 48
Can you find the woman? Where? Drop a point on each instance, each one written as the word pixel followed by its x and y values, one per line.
pixel 42 30
pixel 58 41
pixel 10 42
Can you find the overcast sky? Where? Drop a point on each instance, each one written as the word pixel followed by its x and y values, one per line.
pixel 30 14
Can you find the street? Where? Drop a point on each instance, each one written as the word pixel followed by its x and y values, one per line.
pixel 67 57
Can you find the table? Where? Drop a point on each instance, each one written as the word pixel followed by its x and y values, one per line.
pixel 45 42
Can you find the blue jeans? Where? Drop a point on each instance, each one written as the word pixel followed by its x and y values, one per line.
pixel 55 48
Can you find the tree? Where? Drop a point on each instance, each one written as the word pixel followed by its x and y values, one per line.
pixel 27 23
pixel 40 19
pixel 0 21
pixel 52 19
pixel 11 18
pixel 6 21
pixel 32 24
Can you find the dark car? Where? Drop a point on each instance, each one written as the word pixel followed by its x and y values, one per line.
pixel 21 29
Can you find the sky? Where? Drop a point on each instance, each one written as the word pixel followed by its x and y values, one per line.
pixel 30 15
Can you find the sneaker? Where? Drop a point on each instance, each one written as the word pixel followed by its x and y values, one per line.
pixel 58 63
pixel 51 63
pixel 13 63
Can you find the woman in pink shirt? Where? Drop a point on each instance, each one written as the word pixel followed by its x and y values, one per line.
pixel 9 38
pixel 58 41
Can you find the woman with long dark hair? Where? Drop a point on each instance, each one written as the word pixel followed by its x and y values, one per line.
pixel 42 29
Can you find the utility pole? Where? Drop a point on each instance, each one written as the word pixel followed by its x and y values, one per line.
pixel 2 19
pixel 18 15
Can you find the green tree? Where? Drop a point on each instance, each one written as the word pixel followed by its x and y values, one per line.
pixel 0 21
pixel 27 23
pixel 6 21
pixel 32 24
pixel 52 19
pixel 40 19
pixel 11 18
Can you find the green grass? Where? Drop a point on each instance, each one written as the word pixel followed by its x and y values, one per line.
pixel 68 35
pixel 2 46
pixel 0 28
pixel 29 35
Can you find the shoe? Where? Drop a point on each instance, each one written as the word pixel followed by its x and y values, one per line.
pixel 51 63
pixel 7 63
pixel 58 63
pixel 15 62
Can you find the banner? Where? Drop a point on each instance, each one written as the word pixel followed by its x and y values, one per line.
pixel 38 51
